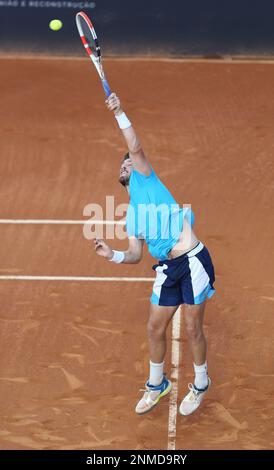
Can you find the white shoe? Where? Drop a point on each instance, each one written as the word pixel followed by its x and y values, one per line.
pixel 193 399
pixel 152 396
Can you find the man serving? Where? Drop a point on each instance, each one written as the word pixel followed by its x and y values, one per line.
pixel 184 273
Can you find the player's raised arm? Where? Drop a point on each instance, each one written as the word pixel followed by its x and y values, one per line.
pixel 136 153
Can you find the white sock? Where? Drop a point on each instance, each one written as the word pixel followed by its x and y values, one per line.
pixel 201 379
pixel 156 373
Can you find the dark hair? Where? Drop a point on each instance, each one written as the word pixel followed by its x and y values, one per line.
pixel 126 157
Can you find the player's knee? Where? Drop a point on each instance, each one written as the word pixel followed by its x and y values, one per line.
pixel 155 331
pixel 194 332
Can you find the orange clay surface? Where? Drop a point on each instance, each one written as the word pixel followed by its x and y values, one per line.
pixel 74 354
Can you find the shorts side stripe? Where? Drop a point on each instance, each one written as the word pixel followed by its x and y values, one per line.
pixel 199 276
pixel 158 283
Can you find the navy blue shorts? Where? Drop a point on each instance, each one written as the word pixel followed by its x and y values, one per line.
pixel 187 279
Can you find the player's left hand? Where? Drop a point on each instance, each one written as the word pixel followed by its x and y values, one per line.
pixel 102 249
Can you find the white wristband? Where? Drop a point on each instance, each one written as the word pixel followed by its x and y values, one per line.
pixel 118 256
pixel 123 121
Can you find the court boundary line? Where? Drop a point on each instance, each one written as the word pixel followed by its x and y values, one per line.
pixel 19 277
pixel 61 222
pixel 174 375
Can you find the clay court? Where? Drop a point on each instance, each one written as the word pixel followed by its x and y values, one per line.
pixel 74 352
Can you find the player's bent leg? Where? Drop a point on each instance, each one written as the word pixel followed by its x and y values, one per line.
pixel 157 385
pixel 159 319
pixel 193 317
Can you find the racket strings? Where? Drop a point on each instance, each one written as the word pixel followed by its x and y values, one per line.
pixel 95 48
pixel 89 38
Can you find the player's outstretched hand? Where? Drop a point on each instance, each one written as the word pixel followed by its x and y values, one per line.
pixel 102 249
pixel 114 104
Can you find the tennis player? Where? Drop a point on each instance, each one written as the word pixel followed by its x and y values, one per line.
pixel 184 273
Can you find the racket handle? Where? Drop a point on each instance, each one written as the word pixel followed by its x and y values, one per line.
pixel 106 87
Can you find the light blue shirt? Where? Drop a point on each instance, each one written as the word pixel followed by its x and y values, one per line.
pixel 154 215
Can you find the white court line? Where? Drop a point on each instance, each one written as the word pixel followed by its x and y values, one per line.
pixel 174 375
pixel 61 222
pixel 74 278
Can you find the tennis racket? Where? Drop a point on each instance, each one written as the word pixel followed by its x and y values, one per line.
pixel 91 44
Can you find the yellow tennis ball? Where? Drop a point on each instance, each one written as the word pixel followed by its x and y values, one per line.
pixel 55 25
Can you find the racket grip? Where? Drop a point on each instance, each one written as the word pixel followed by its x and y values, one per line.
pixel 106 87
